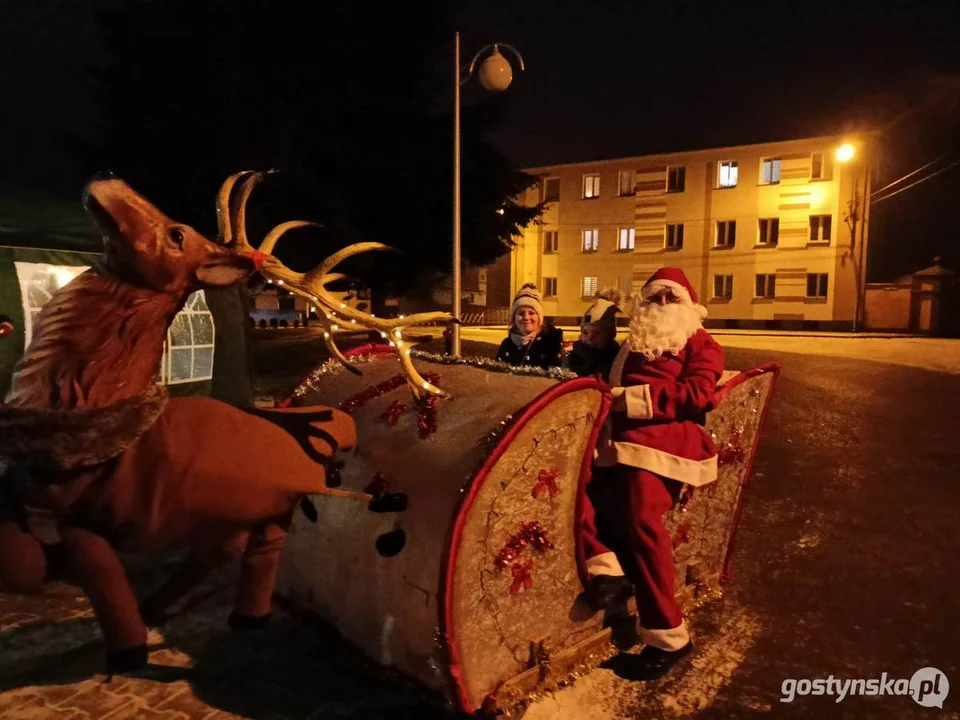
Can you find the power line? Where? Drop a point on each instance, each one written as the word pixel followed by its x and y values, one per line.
pixel 914 184
pixel 911 174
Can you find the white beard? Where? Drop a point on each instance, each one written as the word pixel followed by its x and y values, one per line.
pixel 659 329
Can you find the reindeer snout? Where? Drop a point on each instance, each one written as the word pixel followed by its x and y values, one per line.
pixel 104 174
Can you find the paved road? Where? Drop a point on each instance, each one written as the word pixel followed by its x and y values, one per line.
pixel 848 559
pixel 847 564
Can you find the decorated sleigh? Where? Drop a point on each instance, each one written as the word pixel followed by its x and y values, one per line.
pixel 476 589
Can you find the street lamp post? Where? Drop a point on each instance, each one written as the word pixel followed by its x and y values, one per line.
pixel 495 74
pixel 856 215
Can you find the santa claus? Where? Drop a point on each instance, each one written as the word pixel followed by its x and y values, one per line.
pixel 663 382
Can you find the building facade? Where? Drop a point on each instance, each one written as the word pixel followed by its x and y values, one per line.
pixel 760 230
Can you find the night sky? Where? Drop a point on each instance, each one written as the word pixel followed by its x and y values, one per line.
pixel 609 79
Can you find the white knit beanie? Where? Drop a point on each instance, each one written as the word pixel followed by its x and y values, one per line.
pixel 528 296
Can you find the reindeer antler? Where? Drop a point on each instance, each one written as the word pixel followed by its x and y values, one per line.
pixel 312 285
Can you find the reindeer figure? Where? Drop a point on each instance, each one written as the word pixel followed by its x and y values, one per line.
pixel 116 465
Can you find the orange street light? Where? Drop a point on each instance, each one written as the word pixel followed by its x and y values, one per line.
pixel 845 153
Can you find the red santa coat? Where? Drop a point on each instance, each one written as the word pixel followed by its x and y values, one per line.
pixel 659 407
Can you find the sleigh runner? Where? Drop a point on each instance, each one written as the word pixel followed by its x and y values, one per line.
pixel 480 594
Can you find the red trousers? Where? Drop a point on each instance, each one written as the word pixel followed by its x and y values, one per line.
pixel 624 515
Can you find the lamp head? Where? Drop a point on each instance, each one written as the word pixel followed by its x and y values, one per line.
pixel 495 72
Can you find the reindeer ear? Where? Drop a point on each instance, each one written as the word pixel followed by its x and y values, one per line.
pixel 225 270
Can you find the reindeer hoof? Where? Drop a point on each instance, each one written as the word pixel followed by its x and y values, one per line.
pixel 129 660
pixel 389 502
pixel 390 544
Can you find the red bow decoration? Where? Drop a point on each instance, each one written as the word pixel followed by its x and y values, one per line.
pixel 682 537
pixel 733 451
pixel 392 414
pixel 258 258
pixel 546 481
pixel 522 577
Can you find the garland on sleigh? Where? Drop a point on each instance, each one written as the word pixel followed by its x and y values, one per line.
pixel 554 373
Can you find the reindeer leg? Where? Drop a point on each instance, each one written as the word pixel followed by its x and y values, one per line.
pixel 202 560
pixel 258 574
pixel 23 564
pixel 160 606
pixel 95 566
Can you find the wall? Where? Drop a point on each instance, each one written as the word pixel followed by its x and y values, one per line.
pixel 887 307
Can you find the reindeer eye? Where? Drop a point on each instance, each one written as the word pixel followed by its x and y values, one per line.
pixel 176 236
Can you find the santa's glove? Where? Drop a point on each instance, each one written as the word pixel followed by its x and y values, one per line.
pixel 619 399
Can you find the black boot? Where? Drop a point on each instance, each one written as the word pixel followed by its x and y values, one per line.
pixel 651 664
pixel 607 592
pixel 129 660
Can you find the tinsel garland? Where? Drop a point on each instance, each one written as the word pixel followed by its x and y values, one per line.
pixel 392 414
pixel 333 366
pixel 554 373
pixel 530 533
pixel 374 391
pixel 329 367
pixel 427 412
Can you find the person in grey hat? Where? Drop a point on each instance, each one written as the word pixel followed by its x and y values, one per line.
pixel 595 351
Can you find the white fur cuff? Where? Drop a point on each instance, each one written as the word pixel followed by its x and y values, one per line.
pixel 670 640
pixel 639 402
pixel 604 564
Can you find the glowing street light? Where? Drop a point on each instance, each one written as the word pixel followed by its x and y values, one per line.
pixel 845 153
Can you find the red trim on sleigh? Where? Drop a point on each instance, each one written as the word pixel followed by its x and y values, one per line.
pixel 476 483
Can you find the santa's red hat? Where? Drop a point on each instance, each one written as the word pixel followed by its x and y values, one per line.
pixel 676 280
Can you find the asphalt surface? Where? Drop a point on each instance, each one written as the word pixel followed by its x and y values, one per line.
pixel 846 564
pixel 848 556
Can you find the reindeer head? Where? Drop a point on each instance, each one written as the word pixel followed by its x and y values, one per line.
pixel 145 247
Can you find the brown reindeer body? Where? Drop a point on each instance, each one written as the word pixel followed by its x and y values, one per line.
pixel 191 473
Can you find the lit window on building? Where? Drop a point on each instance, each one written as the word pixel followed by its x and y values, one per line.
pixel 770 171
pixel 727 175
pixel 591 185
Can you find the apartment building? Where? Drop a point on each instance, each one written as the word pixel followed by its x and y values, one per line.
pixel 760 230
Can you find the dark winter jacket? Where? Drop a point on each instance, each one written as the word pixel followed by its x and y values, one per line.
pixel 586 360
pixel 545 350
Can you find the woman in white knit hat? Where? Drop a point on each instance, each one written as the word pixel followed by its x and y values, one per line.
pixel 530 341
